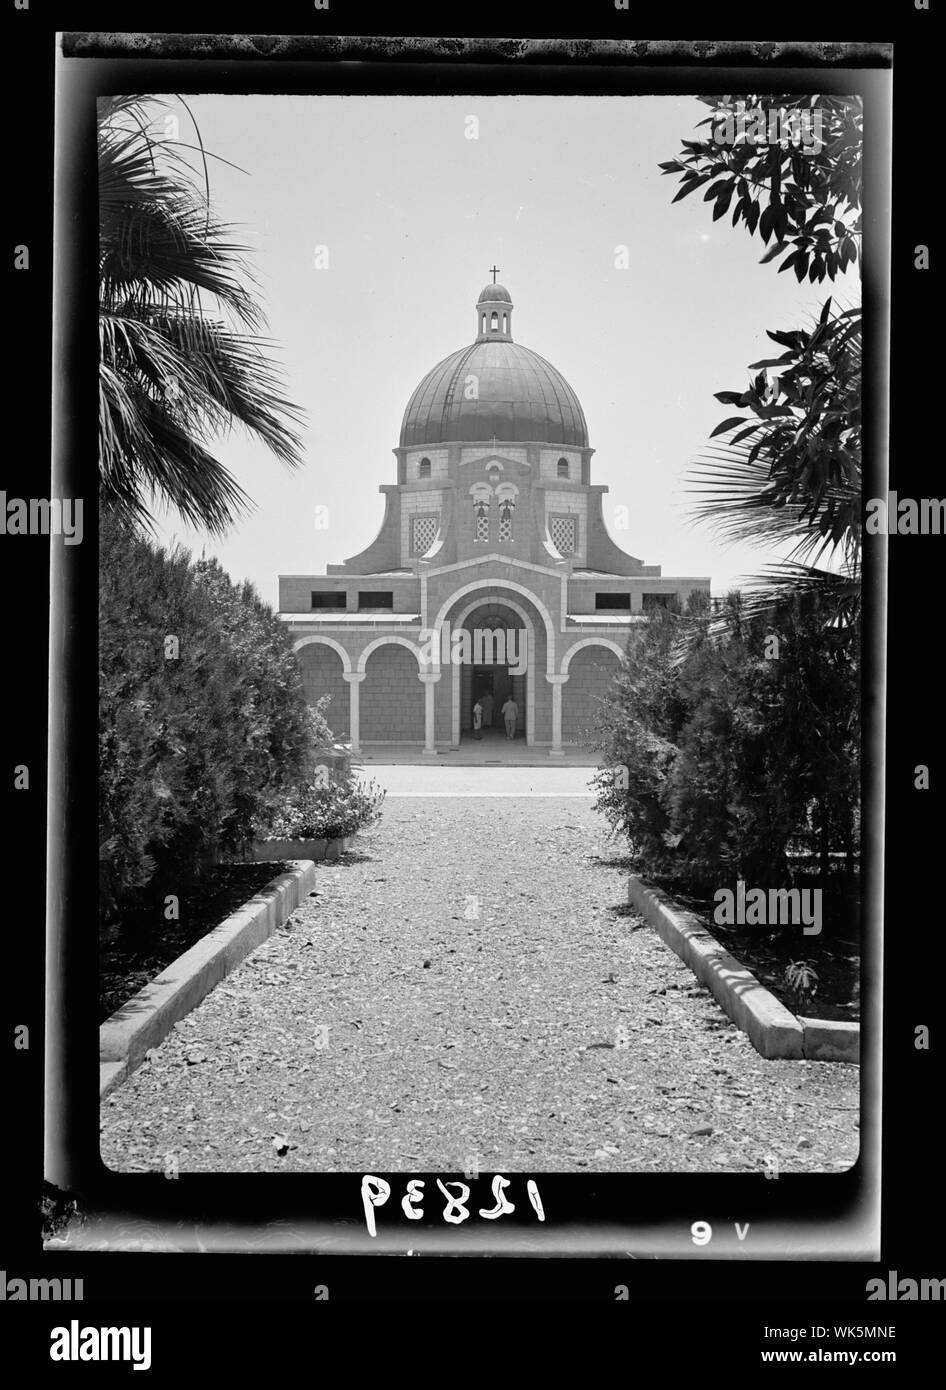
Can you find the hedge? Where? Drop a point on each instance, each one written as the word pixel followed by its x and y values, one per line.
pixel 204 727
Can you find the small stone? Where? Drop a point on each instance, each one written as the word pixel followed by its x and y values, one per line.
pixel 426 964
pixel 803 1144
pixel 703 1129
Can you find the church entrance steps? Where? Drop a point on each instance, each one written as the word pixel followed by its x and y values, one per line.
pixel 476 753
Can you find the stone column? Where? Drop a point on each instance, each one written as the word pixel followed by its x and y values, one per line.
pixel 430 680
pixel 556 682
pixel 354 679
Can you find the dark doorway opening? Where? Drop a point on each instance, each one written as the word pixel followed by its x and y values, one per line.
pixel 498 682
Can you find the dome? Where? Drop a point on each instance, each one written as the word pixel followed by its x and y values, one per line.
pixel 520 397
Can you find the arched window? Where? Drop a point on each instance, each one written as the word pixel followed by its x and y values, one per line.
pixel 480 520
pixel 563 468
pixel 494 322
pixel 507 505
pixel 423 468
pixel 505 323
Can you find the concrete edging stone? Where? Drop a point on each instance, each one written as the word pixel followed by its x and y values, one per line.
pixel 145 1020
pixel 772 1029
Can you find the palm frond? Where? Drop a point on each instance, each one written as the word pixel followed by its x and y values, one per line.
pixel 175 376
pixel 737 499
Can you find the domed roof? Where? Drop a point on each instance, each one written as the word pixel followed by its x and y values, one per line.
pixel 494 292
pixel 520 397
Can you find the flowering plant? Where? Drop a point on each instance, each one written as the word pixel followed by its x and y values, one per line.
pixel 325 811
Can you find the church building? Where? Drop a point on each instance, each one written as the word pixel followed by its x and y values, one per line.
pixel 493 572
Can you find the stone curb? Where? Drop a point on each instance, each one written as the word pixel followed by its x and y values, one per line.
pixel 773 1030
pixel 828 1040
pixel 147 1018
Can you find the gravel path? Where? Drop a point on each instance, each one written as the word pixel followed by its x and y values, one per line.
pixel 468 989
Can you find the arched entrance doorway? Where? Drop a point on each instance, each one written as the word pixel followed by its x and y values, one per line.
pixel 516 667
pixel 497 671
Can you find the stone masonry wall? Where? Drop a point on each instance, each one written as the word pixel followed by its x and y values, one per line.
pixel 590 674
pixel 322 675
pixel 392 697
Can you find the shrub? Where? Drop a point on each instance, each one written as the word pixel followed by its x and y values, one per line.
pixel 325 812
pixel 193 747
pixel 718 760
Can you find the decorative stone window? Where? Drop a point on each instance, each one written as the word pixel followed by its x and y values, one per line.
pixel 423 468
pixel 563 529
pixel 562 468
pixel 423 532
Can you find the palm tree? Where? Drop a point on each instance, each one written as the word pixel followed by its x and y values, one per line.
pixel 790 475
pixel 181 356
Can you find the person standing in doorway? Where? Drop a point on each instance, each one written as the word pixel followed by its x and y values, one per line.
pixel 477 719
pixel 510 713
pixel 487 702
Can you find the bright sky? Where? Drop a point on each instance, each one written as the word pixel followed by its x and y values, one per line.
pixel 413 215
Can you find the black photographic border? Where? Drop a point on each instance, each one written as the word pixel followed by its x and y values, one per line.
pixel 798 1217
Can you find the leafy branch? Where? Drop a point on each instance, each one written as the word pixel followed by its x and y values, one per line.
pixel 813 201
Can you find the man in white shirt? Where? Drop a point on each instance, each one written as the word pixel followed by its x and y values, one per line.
pixel 510 713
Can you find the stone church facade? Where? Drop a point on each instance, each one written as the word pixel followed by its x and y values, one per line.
pixel 493 571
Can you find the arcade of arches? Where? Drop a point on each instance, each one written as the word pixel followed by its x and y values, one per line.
pixel 387 692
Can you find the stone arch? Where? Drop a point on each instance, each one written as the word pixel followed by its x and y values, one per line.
pixel 394 640
pixel 391 697
pixel 502 586
pixel 590 642
pixel 326 642
pixel 323 664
